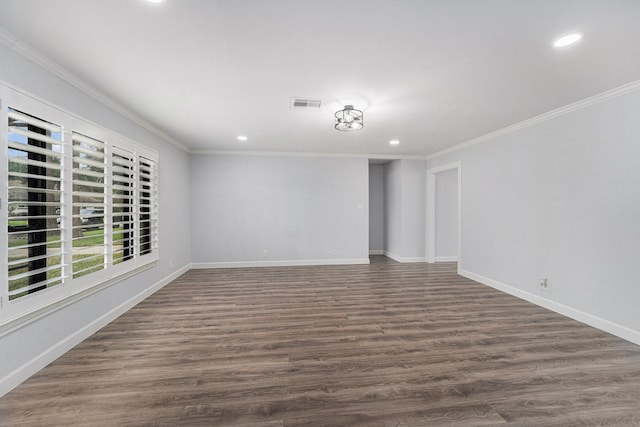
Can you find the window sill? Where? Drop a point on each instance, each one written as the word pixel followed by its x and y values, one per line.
pixel 19 322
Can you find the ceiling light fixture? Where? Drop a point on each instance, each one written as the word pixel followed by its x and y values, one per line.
pixel 394 142
pixel 349 119
pixel 567 40
pixel 242 138
pixel 154 1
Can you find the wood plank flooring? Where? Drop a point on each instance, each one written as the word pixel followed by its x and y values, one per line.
pixel 385 344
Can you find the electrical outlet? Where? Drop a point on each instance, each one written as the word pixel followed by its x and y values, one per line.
pixel 544 284
pixel 265 253
pixel 335 252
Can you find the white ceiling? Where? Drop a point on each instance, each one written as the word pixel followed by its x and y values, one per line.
pixel 431 73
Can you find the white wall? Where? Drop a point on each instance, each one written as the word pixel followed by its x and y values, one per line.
pixel 24 351
pixel 446 218
pixel 299 209
pixel 560 200
pixel 414 190
pixel 405 210
pixel 376 208
pixel 392 208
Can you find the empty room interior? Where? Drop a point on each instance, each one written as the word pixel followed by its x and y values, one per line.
pixel 319 213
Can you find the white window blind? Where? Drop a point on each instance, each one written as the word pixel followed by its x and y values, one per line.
pixel 148 205
pixel 88 206
pixel 34 161
pixel 123 205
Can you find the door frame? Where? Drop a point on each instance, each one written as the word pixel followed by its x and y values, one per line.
pixel 431 210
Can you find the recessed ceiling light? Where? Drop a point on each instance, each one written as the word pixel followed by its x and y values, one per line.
pixel 567 40
pixel 242 138
pixel 154 1
pixel 394 142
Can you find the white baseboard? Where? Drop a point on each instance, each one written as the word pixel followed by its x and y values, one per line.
pixel 376 252
pixel 446 259
pixel 404 259
pixel 28 369
pixel 586 318
pixel 279 263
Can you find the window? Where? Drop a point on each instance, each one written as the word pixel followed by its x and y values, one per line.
pixel 122 168
pixel 34 157
pixel 148 205
pixel 89 202
pixel 81 205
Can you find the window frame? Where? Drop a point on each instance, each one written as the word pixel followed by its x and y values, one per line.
pixel 18 311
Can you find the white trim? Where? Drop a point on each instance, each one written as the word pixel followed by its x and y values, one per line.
pixel 446 259
pixel 7 39
pixel 26 51
pixel 45 310
pixel 404 259
pixel 20 47
pixel 282 263
pixel 549 115
pixel 584 103
pixel 431 210
pixel 376 252
pixel 586 318
pixel 305 154
pixel 28 369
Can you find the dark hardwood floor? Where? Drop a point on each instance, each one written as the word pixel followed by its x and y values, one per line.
pixel 385 344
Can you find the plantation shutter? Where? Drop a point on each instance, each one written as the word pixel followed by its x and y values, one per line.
pixel 148 205
pixel 123 205
pixel 34 156
pixel 80 207
pixel 89 204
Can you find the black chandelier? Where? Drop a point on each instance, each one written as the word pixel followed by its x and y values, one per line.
pixel 349 119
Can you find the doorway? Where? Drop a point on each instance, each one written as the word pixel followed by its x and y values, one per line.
pixel 444 209
pixel 377 229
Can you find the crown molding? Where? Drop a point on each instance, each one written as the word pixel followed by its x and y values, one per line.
pixel 41 60
pixel 6 38
pixel 26 51
pixel 304 154
pixel 579 105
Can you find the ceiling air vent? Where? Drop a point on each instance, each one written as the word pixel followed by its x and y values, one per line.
pixel 305 103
